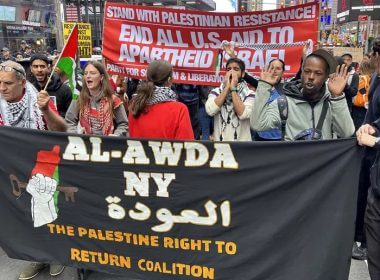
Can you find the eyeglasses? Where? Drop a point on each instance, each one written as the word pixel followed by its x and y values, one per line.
pixel 10 69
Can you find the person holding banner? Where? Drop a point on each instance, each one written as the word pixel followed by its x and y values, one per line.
pixel 231 105
pixel 368 135
pixel 18 109
pixel 97 110
pixel 317 110
pixel 18 98
pixel 154 111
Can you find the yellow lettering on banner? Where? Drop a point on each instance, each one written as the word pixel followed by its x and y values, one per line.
pixel 100 257
pixel 176 269
pixel 187 244
pixel 61 229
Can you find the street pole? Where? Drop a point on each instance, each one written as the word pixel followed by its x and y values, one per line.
pixel 357 32
pixel 58 21
pixel 367 37
pixel 95 23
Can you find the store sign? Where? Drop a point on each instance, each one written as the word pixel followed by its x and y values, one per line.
pixel 363 18
pixel 356 8
pixel 31 23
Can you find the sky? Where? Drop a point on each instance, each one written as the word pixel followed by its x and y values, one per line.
pixel 229 5
pixel 225 5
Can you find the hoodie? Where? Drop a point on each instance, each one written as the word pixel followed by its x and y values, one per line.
pixel 60 93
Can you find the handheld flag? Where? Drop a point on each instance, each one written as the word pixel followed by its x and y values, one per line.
pixel 67 60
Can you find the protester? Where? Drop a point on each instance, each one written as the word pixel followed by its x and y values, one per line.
pixel 360 100
pixel 17 109
pixel 306 99
pixel 97 110
pixel 206 122
pixel 65 80
pixel 28 51
pixel 351 87
pixel 364 135
pixel 154 111
pixel 231 105
pixel 121 86
pixel 19 57
pixel 369 135
pixel 60 93
pixel 189 95
pixel 22 47
pixel 273 134
pixel 361 103
pixel 6 55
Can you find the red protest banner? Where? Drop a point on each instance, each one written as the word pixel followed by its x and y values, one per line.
pixel 135 35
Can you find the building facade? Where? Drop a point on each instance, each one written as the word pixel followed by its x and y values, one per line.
pixel 32 21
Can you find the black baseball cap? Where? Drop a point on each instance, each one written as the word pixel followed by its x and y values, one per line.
pixel 327 57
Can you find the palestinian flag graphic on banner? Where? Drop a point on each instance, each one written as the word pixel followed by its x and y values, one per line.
pixel 67 60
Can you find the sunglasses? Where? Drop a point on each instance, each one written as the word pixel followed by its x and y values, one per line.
pixel 10 69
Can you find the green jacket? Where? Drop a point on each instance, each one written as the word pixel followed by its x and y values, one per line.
pixel 301 114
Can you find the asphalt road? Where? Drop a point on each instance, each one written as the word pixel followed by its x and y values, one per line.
pixel 10 270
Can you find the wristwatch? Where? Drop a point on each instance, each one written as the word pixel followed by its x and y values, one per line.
pixel 233 89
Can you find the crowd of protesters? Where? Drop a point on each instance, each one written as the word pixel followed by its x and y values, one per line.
pixel 330 98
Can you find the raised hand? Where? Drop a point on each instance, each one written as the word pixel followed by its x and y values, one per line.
pixel 338 81
pixel 268 75
pixel 229 49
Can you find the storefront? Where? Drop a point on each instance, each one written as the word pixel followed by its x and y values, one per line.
pixel 33 22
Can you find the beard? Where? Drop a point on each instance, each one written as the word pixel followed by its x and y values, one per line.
pixel 312 93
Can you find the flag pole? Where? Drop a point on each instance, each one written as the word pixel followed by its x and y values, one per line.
pixel 59 57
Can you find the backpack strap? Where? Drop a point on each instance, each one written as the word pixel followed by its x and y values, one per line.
pixel 323 114
pixel 282 103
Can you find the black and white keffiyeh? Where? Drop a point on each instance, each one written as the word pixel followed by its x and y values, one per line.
pixel 162 94
pixel 227 112
pixel 24 113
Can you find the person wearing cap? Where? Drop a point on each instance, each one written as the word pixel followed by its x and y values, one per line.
pixel 6 55
pixel 316 105
pixel 28 51
pixel 60 93
pixel 22 46
pixel 154 111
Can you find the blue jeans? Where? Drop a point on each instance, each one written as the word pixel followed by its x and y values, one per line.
pixel 206 122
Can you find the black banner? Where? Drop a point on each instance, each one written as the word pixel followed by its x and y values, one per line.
pixel 179 210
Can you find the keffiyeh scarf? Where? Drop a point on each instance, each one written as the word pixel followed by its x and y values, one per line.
pixel 24 113
pixel 162 94
pixel 227 112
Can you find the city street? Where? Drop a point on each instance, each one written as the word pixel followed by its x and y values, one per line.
pixel 10 269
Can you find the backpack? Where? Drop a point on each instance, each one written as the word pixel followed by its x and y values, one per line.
pixel 361 98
